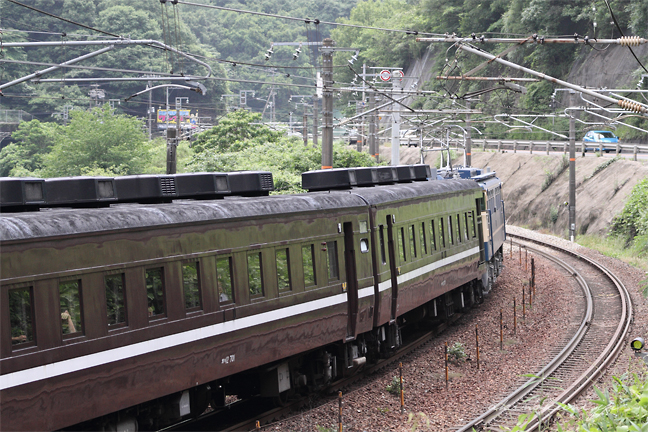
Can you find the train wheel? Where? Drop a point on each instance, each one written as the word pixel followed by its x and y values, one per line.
pixel 478 293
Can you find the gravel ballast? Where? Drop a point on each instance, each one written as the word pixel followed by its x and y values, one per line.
pixel 549 323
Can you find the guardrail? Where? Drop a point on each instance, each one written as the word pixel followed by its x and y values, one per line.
pixel 530 145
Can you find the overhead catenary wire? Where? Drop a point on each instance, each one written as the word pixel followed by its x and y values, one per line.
pixel 306 20
pixel 64 19
pixel 621 31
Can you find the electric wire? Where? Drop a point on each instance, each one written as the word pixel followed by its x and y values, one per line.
pixel 622 35
pixel 178 36
pixel 308 20
pixel 64 19
pixel 97 68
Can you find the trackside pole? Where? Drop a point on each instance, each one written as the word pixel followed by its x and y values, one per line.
pixel 340 411
pixel 446 364
pixel 477 343
pixel 402 395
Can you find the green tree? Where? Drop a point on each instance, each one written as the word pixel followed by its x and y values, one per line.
pixel 33 140
pixel 235 131
pixel 99 142
pixel 236 144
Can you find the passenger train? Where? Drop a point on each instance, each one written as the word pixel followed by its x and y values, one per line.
pixel 136 302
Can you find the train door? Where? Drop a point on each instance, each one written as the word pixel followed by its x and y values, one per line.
pixel 391 246
pixel 352 279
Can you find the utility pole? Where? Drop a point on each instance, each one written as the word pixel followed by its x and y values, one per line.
pixel 468 149
pixel 396 120
pixel 315 122
pixel 305 128
pixel 327 106
pixel 150 101
pixel 572 168
pixel 373 145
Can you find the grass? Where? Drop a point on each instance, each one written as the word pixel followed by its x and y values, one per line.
pixel 615 247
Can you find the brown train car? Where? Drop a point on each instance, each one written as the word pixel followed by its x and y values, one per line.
pixel 118 314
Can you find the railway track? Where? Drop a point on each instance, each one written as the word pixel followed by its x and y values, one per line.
pixel 596 343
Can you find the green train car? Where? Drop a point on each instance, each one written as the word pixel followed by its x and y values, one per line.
pixel 113 315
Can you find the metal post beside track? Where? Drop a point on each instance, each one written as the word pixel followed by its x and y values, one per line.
pixel 477 343
pixel 340 411
pixel 446 364
pixel 402 396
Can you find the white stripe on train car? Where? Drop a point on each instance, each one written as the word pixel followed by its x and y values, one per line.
pixel 51 370
pixel 97 359
pixel 385 285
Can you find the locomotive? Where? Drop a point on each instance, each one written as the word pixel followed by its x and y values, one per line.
pixel 135 302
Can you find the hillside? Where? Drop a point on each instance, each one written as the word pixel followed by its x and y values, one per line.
pixel 599 197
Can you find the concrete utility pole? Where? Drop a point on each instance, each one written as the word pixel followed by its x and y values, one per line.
pixel 315 122
pixel 327 105
pixel 396 120
pixel 572 168
pixel 305 128
pixel 373 148
pixel 468 149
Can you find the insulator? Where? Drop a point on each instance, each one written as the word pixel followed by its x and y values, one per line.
pixel 632 106
pixel 630 40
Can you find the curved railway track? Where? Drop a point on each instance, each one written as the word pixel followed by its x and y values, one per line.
pixel 599 336
pixel 604 325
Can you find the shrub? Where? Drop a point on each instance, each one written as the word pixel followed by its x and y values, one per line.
pixel 633 220
pixel 394 387
pixel 457 353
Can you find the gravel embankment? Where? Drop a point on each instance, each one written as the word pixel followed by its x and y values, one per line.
pixel 368 406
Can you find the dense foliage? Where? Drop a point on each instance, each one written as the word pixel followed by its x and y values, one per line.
pixel 632 223
pixel 95 142
pixel 239 143
pixel 623 408
pixel 213 35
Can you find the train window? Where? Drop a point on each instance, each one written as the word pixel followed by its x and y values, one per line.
pixel 115 299
pixel 363 227
pixel 442 242
pixel 332 258
pixel 471 219
pixel 21 316
pixel 433 236
pixel 282 257
pixel 191 286
pixel 255 274
pixel 70 302
pixel 382 244
pixel 450 232
pixel 412 236
pixel 308 257
pixel 224 277
pixel 466 234
pixel 401 244
pixel 364 245
pixel 155 292
pixel 458 237
pixel 423 242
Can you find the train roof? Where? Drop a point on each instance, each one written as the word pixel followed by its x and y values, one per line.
pixel 387 194
pixel 67 221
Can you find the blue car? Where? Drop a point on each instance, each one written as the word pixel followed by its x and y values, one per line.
pixel 602 139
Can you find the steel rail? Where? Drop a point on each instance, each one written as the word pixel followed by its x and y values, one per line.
pixel 609 354
pixel 528 387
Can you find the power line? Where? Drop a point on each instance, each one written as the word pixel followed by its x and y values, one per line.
pixel 64 19
pixel 621 31
pixel 306 20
